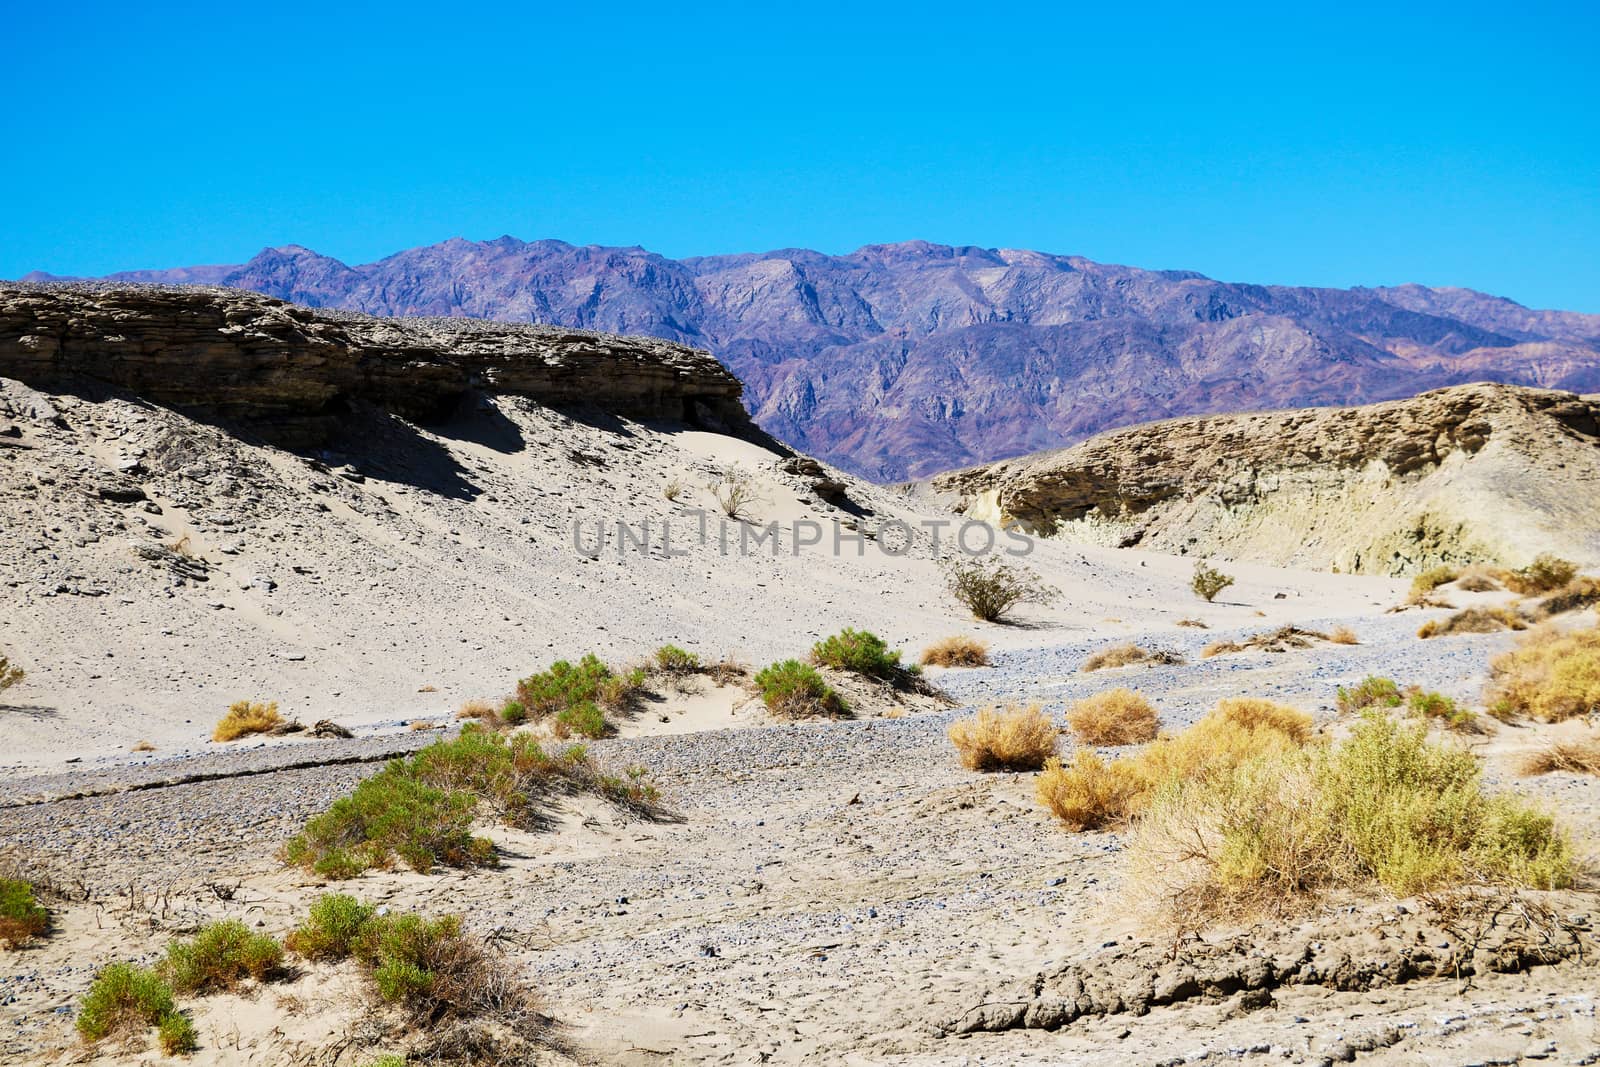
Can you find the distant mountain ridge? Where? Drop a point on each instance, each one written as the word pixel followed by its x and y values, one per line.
pixel 900 360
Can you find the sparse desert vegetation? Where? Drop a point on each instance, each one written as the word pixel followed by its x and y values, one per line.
pixel 125 1000
pixel 859 652
pixel 1128 655
pixel 989 587
pixel 572 700
pixel 1016 738
pixel 219 957
pixel 1113 717
pixel 794 690
pixel 1282 639
pixel 956 651
pixel 1370 692
pixel 1207 581
pixel 1546 573
pixel 420 809
pixel 1385 809
pixel 22 917
pixel 1473 621
pixel 1549 676
pixel 246 717
pixel 1578 754
pixel 10 674
pixel 1443 710
pixel 736 492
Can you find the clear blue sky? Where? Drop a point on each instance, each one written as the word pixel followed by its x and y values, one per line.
pixel 1326 144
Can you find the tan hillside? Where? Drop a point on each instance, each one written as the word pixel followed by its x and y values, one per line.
pixel 1478 472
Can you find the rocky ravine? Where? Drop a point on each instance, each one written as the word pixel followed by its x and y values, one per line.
pixel 904 359
pixel 1478 472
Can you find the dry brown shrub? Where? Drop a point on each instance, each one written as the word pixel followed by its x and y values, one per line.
pixel 1547 572
pixel 1473 621
pixel 1478 579
pixel 1343 635
pixel 247 717
pixel 1197 624
pixel 143 746
pixel 1127 656
pixel 1574 755
pixel 1087 794
pixel 1282 639
pixel 1576 595
pixel 1115 717
pixel 1016 739
pixel 957 651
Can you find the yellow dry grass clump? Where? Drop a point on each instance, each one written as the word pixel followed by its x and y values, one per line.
pixel 481 710
pixel 1016 739
pixel 1343 635
pixel 1091 793
pixel 1549 676
pixel 957 651
pixel 1118 656
pixel 247 717
pixel 1115 717
pixel 1473 621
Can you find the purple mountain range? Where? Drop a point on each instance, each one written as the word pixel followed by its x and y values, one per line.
pixel 900 360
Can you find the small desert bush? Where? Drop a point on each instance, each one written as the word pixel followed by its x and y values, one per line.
pixel 1283 639
pixel 1575 755
pixel 1478 579
pixel 1128 655
pixel 859 652
pixel 1545 573
pixel 1255 713
pixel 1016 739
pixel 574 699
pixel 22 917
pixel 9 675
pixel 331 927
pixel 431 968
pixel 1473 621
pixel 562 685
pixel 674 489
pixel 1112 718
pixel 670 659
pixel 247 717
pixel 736 492
pixel 1576 595
pixel 125 999
pixel 794 690
pixel 1194 624
pixel 1441 709
pixel 1549 676
pixel 1207 581
pixel 1385 808
pixel 1088 793
pixel 957 651
pixel 989 587
pixel 1370 692
pixel 1343 635
pixel 1431 579
pixel 219 957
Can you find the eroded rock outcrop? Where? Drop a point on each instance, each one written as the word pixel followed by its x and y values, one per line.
pixel 288 371
pixel 1474 472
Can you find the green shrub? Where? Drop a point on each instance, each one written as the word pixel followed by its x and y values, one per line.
pixel 989 587
pixel 1370 692
pixel 1207 581
pixel 513 713
pixel 584 719
pixel 670 659
pixel 22 918
pixel 391 1059
pixel 176 1034
pixel 331 927
pixel 858 651
pixel 1441 708
pixel 124 998
pixel 421 808
pixel 563 685
pixel 794 690
pixel 219 957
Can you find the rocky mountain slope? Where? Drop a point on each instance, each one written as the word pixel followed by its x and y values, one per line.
pixel 1478 472
pixel 904 359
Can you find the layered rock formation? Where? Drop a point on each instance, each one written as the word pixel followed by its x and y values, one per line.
pixel 289 372
pixel 1477 472
pixel 900 360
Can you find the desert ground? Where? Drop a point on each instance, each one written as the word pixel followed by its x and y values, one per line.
pixel 817 891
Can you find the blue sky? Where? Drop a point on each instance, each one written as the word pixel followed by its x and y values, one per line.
pixel 1304 144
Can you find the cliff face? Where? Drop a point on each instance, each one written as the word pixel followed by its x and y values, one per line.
pixel 901 360
pixel 289 371
pixel 1476 472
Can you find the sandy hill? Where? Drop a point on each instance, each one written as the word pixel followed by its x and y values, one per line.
pixel 1481 472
